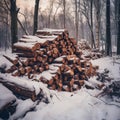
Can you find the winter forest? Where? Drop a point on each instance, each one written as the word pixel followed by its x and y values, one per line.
pixel 59 59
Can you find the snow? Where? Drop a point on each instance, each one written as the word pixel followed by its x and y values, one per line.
pixel 51 30
pixel 22 108
pixel 31 85
pixel 28 45
pixel 81 104
pixel 4 61
pixel 6 96
pixel 108 63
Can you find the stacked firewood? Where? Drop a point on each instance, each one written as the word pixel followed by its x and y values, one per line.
pixel 68 73
pixel 88 52
pixel 49 50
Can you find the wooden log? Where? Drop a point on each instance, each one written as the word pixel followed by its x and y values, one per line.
pixel 83 63
pixel 73 41
pixel 71 82
pixel 46 66
pixel 41 69
pixel 39 52
pixel 19 90
pixel 69 73
pixel 52 87
pixel 79 82
pixel 14 61
pixel 48 32
pixel 26 46
pixel 39 58
pixel 75 87
pixel 25 54
pixel 16 73
pixel 66 88
pixel 11 69
pixel 22 70
pixel 28 69
pixel 60 60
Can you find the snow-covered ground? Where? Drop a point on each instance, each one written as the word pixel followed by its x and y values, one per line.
pixel 78 105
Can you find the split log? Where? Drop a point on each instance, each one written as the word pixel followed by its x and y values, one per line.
pixel 26 46
pixel 14 61
pixel 19 90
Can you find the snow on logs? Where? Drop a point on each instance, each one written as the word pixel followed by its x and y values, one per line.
pixel 53 58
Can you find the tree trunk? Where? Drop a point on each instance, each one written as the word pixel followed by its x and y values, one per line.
pixel 108 32
pixel 118 26
pixel 76 19
pixel 64 4
pixel 97 6
pixel 36 16
pixel 14 27
pixel 81 24
pixel 91 18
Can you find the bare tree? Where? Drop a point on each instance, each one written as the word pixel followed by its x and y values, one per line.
pixel 35 25
pixel 14 27
pixel 50 12
pixel 118 28
pixel 64 10
pixel 87 11
pixel 76 19
pixel 4 25
pixel 97 4
pixel 81 24
pixel 108 31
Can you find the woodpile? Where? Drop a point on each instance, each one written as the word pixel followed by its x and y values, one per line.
pixel 68 73
pixel 88 52
pixel 54 57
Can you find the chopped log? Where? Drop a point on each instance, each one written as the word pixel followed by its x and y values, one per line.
pixel 16 73
pixel 13 61
pixel 69 73
pixel 47 32
pixel 75 87
pixel 11 69
pixel 26 46
pixel 25 54
pixel 71 82
pixel 28 69
pixel 41 69
pixel 19 90
pixel 66 88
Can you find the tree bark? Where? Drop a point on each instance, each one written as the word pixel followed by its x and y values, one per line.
pixel 91 18
pixel 76 19
pixel 64 4
pixel 97 4
pixel 108 31
pixel 14 27
pixel 36 16
pixel 118 26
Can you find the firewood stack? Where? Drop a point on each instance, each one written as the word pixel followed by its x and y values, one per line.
pixel 53 58
pixel 88 52
pixel 68 73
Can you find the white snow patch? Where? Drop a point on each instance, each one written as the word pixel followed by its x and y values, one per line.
pixel 6 96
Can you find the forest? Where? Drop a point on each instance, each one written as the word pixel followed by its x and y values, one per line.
pixel 96 21
pixel 59 59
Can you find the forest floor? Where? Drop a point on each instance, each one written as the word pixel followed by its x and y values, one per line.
pixel 82 104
